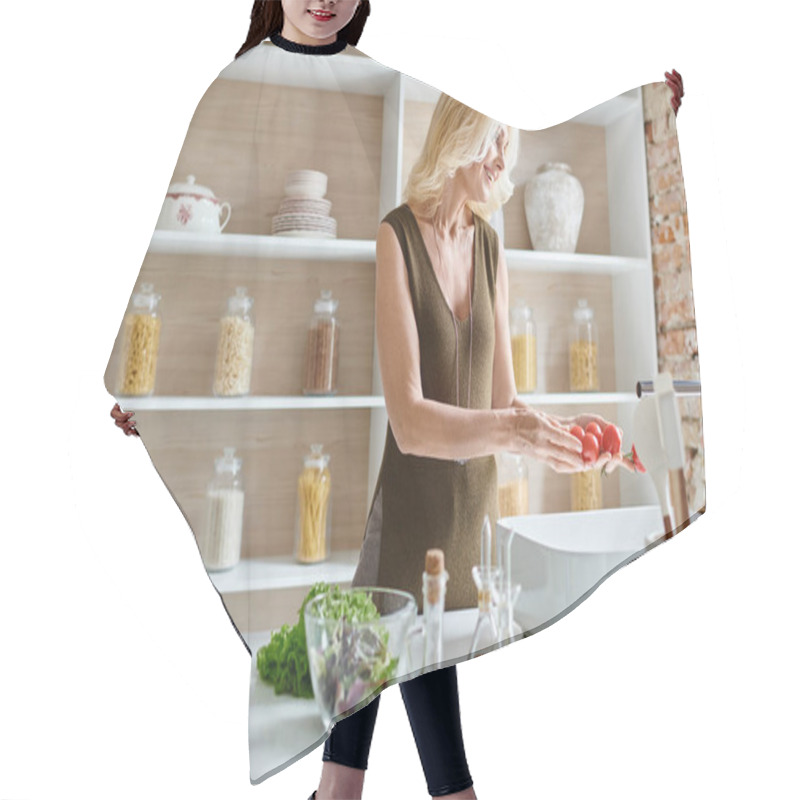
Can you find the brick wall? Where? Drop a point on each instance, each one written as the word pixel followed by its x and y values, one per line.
pixel 672 274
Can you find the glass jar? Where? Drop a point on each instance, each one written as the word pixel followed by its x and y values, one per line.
pixel 142 331
pixel 583 350
pixel 220 541
pixel 587 490
pixel 523 348
pixel 234 364
pixel 512 485
pixel 313 534
pixel 322 353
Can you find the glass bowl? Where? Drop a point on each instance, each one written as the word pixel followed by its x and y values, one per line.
pixel 350 660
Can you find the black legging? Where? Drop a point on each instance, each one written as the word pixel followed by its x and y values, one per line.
pixel 433 711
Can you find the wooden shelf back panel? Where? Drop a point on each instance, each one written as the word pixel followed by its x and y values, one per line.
pixel 245 137
pixel 271 446
pixel 583 147
pixel 194 291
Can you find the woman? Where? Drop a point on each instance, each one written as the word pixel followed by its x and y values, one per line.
pixel 444 351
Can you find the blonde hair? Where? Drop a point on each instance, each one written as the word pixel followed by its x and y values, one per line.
pixel 457 137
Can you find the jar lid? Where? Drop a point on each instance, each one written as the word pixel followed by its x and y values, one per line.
pixel 317 458
pixel 583 313
pixel 240 303
pixel 228 464
pixel 520 312
pixel 190 187
pixel 326 304
pixel 146 299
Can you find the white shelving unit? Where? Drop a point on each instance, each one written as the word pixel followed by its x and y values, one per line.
pixel 628 266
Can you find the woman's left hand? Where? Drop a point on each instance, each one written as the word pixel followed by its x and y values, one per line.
pixel 605 461
pixel 675 82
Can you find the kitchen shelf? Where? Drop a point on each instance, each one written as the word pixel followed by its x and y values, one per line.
pixel 363 250
pixel 289 403
pixel 268 247
pixel 253 575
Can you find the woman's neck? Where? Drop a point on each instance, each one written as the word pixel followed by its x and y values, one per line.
pixel 452 214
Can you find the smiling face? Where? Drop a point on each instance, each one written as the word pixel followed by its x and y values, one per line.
pixel 479 177
pixel 316 22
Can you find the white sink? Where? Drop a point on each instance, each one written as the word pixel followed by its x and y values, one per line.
pixel 559 558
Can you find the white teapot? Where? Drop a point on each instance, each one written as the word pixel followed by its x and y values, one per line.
pixel 191 207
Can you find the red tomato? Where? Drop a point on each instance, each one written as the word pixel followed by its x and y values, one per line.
pixel 595 430
pixel 591 448
pixel 577 431
pixel 612 441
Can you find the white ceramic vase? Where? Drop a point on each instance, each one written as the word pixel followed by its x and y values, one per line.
pixel 554 208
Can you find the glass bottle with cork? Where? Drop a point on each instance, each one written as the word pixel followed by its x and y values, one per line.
pixel 434 585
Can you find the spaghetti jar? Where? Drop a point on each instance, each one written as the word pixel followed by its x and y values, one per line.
pixel 142 331
pixel 583 350
pixel 234 363
pixel 523 348
pixel 220 541
pixel 512 485
pixel 313 534
pixel 587 490
pixel 322 353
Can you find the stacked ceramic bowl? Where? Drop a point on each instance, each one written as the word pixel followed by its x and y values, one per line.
pixel 304 210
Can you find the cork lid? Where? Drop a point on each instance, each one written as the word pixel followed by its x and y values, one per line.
pixel 434 562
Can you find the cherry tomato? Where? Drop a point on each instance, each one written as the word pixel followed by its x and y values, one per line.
pixel 612 441
pixel 595 430
pixel 591 448
pixel 577 432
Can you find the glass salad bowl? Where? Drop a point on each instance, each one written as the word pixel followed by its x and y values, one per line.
pixel 357 640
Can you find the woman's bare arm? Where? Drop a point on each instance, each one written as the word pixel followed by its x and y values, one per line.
pixel 425 427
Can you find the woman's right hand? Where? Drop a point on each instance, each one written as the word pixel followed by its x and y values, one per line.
pixel 124 420
pixel 541 436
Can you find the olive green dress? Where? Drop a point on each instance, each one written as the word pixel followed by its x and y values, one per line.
pixel 420 503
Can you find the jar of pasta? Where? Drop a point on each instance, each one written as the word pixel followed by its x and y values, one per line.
pixel 141 334
pixel 512 485
pixel 220 540
pixel 322 353
pixel 523 348
pixel 234 363
pixel 583 350
pixel 587 490
pixel 312 538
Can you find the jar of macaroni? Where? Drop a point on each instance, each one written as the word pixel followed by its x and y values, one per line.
pixel 220 540
pixel 583 350
pixel 512 485
pixel 141 335
pixel 234 365
pixel 523 348
pixel 313 534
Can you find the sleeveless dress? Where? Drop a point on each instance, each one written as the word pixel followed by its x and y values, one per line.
pixel 421 502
